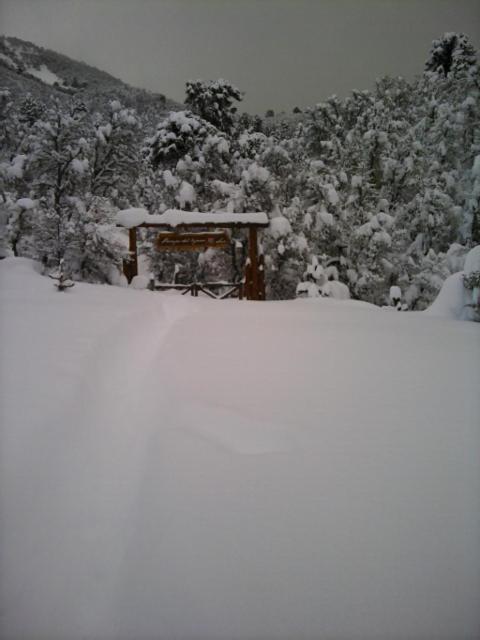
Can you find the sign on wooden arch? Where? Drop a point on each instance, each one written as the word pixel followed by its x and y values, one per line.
pixel 192 241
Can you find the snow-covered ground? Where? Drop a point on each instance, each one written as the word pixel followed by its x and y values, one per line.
pixel 44 74
pixel 184 468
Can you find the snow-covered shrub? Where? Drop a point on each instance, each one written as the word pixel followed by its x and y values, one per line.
pixel 5 213
pixel 285 253
pixel 20 228
pixel 214 265
pixel 459 297
pixel 320 280
pixel 331 289
pixel 100 243
pixel 181 133
pixel 335 289
pixel 140 282
pixel 307 290
pixel 422 279
pixel 471 280
pixel 395 295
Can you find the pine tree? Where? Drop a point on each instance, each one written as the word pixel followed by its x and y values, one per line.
pixel 189 153
pixel 214 102
pixel 450 54
pixel 30 111
pixel 116 154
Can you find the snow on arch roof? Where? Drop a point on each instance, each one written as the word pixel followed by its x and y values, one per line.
pixel 136 217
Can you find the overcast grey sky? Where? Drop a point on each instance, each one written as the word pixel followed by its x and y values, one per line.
pixel 282 53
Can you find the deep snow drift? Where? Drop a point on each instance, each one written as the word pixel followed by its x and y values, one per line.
pixel 189 468
pixel 454 300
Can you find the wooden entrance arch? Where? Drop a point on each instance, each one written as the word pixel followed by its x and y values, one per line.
pixel 185 231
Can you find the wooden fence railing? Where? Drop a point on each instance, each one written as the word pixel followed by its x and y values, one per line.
pixel 216 290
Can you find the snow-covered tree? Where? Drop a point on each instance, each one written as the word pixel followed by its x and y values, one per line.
pixel 450 54
pixel 60 169
pixel 188 152
pixel 382 185
pixel 101 246
pixel 116 154
pixel 285 257
pixel 214 102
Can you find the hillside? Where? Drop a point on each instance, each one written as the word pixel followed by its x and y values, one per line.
pixel 28 68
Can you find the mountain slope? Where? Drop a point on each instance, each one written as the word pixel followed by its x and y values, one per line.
pixel 28 68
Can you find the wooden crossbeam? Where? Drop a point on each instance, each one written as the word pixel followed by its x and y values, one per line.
pixel 194 241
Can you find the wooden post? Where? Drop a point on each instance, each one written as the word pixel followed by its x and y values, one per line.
pixel 132 264
pixel 247 286
pixel 253 255
pixel 261 283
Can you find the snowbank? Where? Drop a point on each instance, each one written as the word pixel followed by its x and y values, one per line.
pixel 455 300
pixel 189 468
pixel 452 300
pixel 140 282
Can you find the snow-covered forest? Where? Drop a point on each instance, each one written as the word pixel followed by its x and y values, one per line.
pixel 180 467
pixel 379 189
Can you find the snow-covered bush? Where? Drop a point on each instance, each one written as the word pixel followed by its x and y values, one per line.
pixel 331 289
pixel 285 253
pixel 395 295
pixel 335 289
pixel 459 297
pixel 140 282
pixel 5 213
pixel 307 290
pixel 180 134
pixel 471 280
